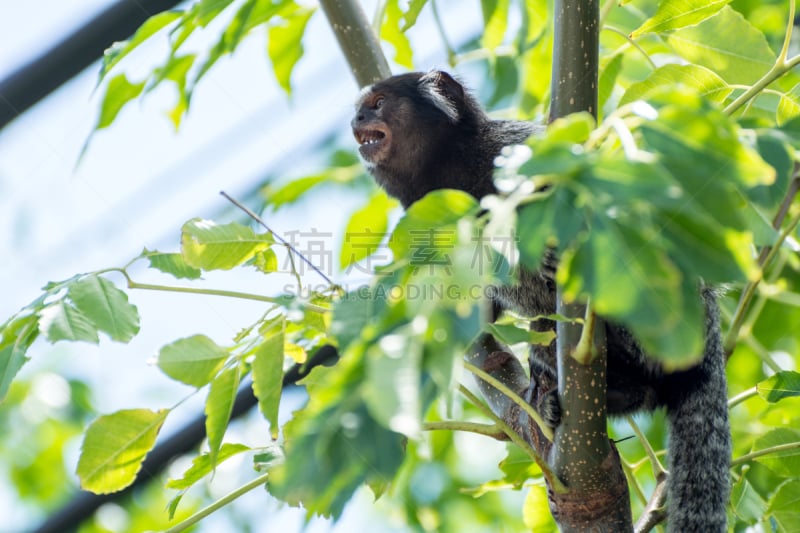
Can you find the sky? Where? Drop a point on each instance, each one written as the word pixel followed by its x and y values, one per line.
pixel 139 180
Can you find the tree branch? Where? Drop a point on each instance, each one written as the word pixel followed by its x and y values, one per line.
pixel 358 42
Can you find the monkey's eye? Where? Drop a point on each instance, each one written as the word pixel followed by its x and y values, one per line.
pixel 379 102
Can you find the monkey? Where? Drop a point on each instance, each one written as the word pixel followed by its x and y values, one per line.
pixel 419 132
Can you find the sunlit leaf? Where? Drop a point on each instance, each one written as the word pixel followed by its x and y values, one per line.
pixel 193 360
pixel 789 105
pixel 495 19
pixel 424 229
pixel 411 14
pixel 290 192
pixel 785 384
pixel 63 321
pixel 366 230
pixel 202 465
pixel 675 14
pixel 392 33
pixel 284 45
pixel 114 447
pixel 119 92
pixel 219 406
pixel 536 511
pixel 118 50
pixel 206 245
pixel 106 306
pixel 268 373
pixel 727 44
pixel 701 79
pixel 16 336
pixel 173 264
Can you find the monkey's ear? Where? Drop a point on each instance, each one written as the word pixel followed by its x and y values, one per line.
pixel 443 91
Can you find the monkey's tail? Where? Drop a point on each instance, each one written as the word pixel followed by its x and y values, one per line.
pixel 700 442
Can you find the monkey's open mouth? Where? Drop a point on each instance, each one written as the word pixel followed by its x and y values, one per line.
pixel 374 141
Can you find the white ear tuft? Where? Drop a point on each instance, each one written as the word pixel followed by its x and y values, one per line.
pixel 433 86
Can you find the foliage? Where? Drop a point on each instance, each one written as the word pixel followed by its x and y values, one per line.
pixel 692 160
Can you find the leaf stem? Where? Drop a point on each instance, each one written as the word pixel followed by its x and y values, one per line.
pixel 215 506
pixel 488 430
pixel 547 472
pixel 633 43
pixel 212 292
pixel 658 468
pixel 742 396
pixel 514 397
pixel 768 255
pixel 766 451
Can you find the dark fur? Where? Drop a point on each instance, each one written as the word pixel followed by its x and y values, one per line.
pixel 432 134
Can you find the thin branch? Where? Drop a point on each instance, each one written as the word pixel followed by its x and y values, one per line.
pixel 766 451
pixel 765 259
pixel 214 292
pixel 283 241
pixel 514 397
pixel 451 53
pixel 742 396
pixel 633 43
pixel 222 502
pixel 488 430
pixel 658 468
pixel 547 472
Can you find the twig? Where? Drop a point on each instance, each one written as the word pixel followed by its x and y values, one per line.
pixel 283 241
pixel 513 396
pixel 215 506
pixel 766 451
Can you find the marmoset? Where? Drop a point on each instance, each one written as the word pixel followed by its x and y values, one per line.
pixel 419 132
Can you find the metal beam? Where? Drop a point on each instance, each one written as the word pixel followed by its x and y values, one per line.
pixel 76 51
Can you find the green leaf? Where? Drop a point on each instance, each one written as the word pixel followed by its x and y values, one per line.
pixel 785 463
pixel 106 306
pixel 62 321
pixel 423 230
pixel 702 80
pixel 206 245
pixel 610 68
pixel 333 445
pixel 292 191
pixel 17 336
pixel 266 261
pixel 410 17
pixel 635 283
pixel 118 93
pixel 392 33
pixel 207 10
pixel 219 406
pixel 193 360
pixel 284 45
pixel 366 230
pixel 727 44
pixel 510 334
pixel 202 465
pixel 746 502
pixel 118 50
pixel 268 372
pixel 675 14
pixel 785 384
pixel 114 447
pixel 517 467
pixel 783 506
pixel 392 385
pixel 789 105
pixel 173 264
pixel 495 21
